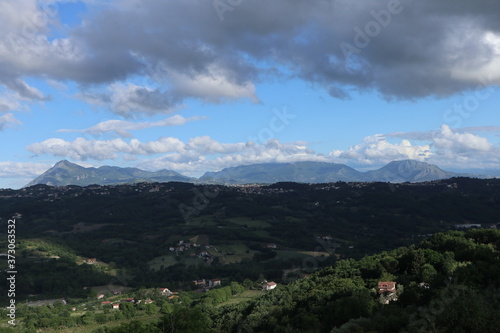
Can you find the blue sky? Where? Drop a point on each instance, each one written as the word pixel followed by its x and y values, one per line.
pixel 196 86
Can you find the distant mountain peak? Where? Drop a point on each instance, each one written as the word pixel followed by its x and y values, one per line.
pixel 409 171
pixel 65 163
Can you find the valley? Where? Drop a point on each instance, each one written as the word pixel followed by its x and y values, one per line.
pixel 75 243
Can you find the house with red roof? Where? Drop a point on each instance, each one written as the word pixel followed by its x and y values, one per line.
pixel 387 291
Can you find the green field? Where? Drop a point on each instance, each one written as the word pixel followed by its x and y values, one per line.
pixel 166 261
pixel 231 253
pixel 244 296
pixel 92 327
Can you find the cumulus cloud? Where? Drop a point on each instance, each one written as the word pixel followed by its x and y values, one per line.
pixel 123 127
pixel 460 142
pixel 377 149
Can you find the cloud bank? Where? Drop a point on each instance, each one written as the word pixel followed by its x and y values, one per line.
pixel 191 49
pixel 444 147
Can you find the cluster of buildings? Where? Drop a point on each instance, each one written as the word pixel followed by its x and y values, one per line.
pixel 90 261
pixel 259 189
pixel 116 304
pixel 207 284
pixel 200 252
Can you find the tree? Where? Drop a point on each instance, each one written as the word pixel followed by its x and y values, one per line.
pixel 128 310
pixel 468 313
pixel 247 283
pixel 428 274
pixel 167 308
pixel 101 318
pixel 151 309
pixel 185 320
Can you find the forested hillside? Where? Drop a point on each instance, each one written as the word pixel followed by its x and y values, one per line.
pixel 94 244
pixel 449 283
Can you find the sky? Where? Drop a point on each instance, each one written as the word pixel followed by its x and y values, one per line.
pixel 201 85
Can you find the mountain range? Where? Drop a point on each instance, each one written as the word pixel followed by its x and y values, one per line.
pixel 66 173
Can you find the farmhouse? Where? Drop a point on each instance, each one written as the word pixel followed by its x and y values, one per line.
pixel 387 291
pixel 386 287
pixel 269 285
pixel 165 292
pixel 213 283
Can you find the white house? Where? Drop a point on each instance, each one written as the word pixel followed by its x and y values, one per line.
pixel 269 285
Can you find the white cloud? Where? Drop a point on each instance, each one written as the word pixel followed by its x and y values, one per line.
pixel 83 149
pixel 214 86
pixel 195 162
pixel 460 142
pixel 376 150
pixel 487 69
pixel 123 127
